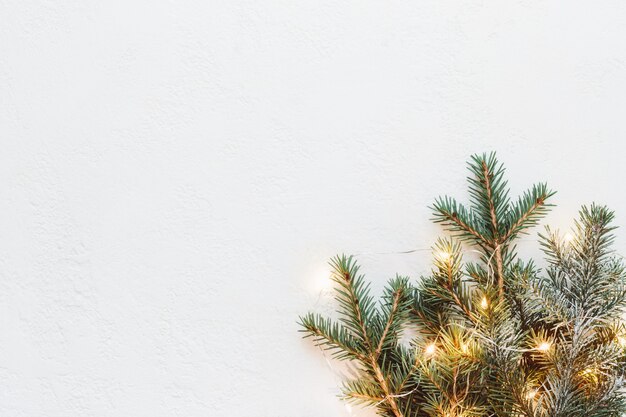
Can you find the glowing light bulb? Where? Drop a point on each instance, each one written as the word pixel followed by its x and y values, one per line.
pixel 443 255
pixel 430 349
pixel 621 340
pixel 544 346
pixel 568 238
pixel 590 374
pixel 323 281
pixel 531 394
pixel 464 348
pixel 484 303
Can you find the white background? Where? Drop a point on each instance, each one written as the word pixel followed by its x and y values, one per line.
pixel 175 174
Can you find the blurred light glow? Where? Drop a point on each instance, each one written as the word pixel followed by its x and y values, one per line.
pixel 430 349
pixel 544 346
pixel 568 238
pixel 443 255
pixel 531 394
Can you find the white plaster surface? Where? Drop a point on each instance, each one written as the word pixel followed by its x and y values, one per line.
pixel 174 175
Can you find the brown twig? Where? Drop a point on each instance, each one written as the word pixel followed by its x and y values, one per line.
pixel 392 313
pixel 372 359
pixel 496 234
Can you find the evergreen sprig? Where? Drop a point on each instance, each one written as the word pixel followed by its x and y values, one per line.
pixel 492 221
pixel 495 338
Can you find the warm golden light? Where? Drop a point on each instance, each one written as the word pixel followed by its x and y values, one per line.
pixel 590 374
pixel 430 349
pixel 443 256
pixel 544 346
pixel 531 394
pixel 621 340
pixel 484 303
pixel 464 348
pixel 322 281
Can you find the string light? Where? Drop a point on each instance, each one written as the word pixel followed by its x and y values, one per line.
pixel 323 280
pixel 544 346
pixel 590 374
pixel 443 255
pixel 430 349
pixel 531 394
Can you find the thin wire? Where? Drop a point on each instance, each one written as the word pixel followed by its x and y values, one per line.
pixel 404 252
pixel 414 250
pixel 387 397
pixel 490 275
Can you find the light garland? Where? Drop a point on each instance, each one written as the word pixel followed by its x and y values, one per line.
pixel 531 394
pixel 544 346
pixel 443 256
pixel 430 350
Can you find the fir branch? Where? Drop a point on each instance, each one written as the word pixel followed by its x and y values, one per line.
pixel 448 283
pixel 359 312
pixel 394 314
pixel 331 336
pixel 456 218
pixel 528 343
pixel 488 193
pixel 362 391
pixel 493 199
pixel 357 306
pixel 526 213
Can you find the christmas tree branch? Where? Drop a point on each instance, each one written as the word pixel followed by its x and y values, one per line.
pixel 528 210
pixel 363 397
pixel 345 275
pixel 497 337
pixel 390 320
pixel 453 215
pixel 331 336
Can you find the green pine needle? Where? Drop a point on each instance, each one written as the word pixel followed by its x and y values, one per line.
pixel 495 337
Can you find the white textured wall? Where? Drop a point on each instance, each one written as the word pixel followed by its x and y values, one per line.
pixel 174 174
